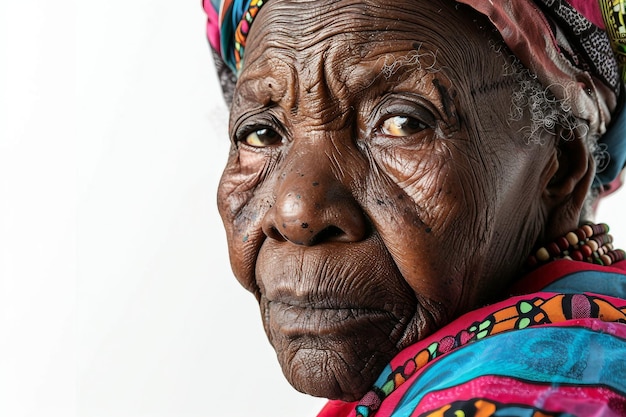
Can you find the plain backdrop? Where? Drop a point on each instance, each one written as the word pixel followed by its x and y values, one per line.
pixel 116 295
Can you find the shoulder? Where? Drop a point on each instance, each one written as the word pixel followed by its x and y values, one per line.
pixel 546 351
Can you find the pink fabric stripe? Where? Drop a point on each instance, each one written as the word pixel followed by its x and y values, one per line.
pixel 212 27
pixel 336 408
pixel 579 400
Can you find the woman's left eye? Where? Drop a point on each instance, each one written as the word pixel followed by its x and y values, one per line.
pixel 402 126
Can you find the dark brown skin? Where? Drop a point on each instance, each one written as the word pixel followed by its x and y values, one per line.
pixel 366 208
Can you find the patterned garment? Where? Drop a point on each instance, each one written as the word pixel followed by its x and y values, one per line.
pixel 558 350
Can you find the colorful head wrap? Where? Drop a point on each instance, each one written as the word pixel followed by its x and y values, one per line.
pixel 577 48
pixel 228 32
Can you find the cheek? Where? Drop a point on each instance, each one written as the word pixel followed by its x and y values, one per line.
pixel 242 203
pixel 442 207
pixel 441 180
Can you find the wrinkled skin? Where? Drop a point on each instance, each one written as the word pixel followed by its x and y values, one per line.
pixel 375 188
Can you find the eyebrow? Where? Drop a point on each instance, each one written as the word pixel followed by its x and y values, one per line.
pixel 444 96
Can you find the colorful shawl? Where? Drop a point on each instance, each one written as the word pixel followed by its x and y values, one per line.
pixel 559 349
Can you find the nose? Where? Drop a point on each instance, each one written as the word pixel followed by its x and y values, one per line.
pixel 313 207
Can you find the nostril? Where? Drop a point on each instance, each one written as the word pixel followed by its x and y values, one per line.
pixel 331 233
pixel 273 233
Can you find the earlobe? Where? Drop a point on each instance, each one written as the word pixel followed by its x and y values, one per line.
pixel 567 188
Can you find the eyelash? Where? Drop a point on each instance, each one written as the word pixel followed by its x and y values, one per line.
pixel 243 131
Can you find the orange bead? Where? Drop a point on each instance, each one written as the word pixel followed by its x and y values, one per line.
pixel 543 255
pixel 572 238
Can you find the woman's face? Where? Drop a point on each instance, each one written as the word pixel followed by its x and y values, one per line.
pixel 376 188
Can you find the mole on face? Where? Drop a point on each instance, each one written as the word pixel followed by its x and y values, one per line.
pixel 380 201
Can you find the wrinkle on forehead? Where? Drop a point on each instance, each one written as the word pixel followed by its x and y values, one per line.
pixel 309 55
pixel 298 25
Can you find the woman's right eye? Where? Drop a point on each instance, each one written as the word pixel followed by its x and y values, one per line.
pixel 261 138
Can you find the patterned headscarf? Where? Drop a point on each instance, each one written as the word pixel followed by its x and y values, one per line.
pixel 575 47
pixel 228 26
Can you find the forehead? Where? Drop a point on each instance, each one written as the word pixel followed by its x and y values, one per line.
pixel 311 53
pixel 295 26
pixel 352 35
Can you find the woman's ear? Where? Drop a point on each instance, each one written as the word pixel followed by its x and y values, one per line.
pixel 573 170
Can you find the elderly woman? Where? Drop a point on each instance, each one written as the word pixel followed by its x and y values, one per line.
pixel 409 194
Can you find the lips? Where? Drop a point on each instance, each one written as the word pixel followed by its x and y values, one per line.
pixel 293 321
pixel 316 297
pixel 332 290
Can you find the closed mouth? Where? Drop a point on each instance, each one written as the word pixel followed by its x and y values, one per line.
pixel 294 320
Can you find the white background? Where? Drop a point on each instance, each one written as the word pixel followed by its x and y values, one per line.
pixel 115 290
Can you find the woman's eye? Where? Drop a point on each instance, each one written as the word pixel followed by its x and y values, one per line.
pixel 261 138
pixel 401 126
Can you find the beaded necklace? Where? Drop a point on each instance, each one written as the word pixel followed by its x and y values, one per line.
pixel 589 243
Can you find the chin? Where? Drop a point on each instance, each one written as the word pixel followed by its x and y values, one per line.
pixel 328 374
pixel 337 353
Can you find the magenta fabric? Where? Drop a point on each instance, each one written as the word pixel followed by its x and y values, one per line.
pixel 212 27
pixel 589 9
